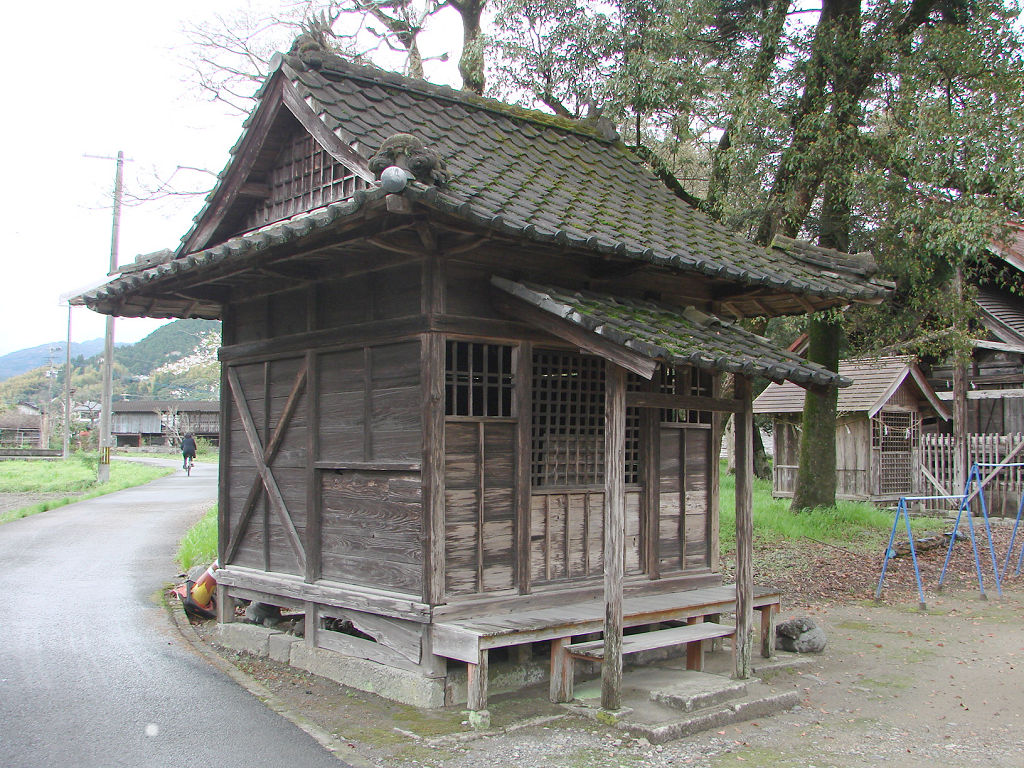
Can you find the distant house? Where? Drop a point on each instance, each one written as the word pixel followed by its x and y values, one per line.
pixel 21 428
pixel 878 429
pixel 995 376
pixel 163 422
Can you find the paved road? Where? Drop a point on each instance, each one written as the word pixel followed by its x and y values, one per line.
pixel 91 671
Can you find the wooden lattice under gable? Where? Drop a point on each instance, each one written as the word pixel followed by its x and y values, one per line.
pixel 304 176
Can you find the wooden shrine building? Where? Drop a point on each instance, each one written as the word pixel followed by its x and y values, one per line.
pixel 470 405
pixel 878 429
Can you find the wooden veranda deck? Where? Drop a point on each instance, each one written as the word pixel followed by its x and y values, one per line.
pixel 469 639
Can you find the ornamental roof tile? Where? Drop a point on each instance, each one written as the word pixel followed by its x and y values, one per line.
pixel 674 335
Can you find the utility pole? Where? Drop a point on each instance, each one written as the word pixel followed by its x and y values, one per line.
pixel 67 390
pixel 103 475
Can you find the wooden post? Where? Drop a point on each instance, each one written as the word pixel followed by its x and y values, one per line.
pixel 314 508
pixel 960 449
pixel 744 528
pixel 561 682
pixel 614 533
pixel 432 366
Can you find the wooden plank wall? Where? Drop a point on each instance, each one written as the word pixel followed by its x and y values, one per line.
pixel 372 529
pixel 684 503
pixel 479 506
pixel 366 442
pixel 853 457
pixel 370 443
pixel 265 542
pixel 567 535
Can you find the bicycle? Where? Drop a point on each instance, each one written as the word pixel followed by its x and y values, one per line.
pixel 188 465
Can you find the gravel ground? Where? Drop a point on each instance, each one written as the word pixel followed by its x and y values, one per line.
pixel 925 688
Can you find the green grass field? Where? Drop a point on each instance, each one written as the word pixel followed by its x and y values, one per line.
pixel 199 545
pixel 75 477
pixel 850 524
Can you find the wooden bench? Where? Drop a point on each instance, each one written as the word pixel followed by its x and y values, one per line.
pixel 470 639
pixel 691 635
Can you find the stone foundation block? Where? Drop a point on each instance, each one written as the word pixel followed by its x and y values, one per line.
pixel 398 685
pixel 246 638
pixel 279 646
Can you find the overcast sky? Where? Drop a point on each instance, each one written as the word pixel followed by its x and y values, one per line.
pixel 92 79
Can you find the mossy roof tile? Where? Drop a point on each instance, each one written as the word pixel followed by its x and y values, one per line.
pixel 673 335
pixel 556 178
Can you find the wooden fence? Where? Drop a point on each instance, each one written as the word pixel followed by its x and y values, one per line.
pixel 1002 492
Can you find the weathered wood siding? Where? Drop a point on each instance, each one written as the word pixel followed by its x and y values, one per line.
pixel 372 529
pixel 370 404
pixel 264 540
pixel 352 455
pixel 567 535
pixel 369 429
pixel 854 477
pixel 479 506
pixel 385 293
pixel 684 503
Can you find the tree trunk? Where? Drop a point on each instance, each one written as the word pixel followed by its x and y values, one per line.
pixel 471 63
pixel 816 478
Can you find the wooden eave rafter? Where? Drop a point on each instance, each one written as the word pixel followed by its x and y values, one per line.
pixel 590 342
pixel 682 402
pixel 236 185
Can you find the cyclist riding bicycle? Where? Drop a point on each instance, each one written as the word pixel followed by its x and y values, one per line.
pixel 188 450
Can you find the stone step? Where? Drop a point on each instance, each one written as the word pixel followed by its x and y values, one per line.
pixel 708 719
pixel 699 691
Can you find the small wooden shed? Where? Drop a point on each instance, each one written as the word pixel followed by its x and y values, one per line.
pixel 472 376
pixel 159 422
pixel 878 429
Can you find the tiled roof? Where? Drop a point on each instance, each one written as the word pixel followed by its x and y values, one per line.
pixel 151 406
pixel 874 382
pixel 676 335
pixel 526 172
pixel 523 173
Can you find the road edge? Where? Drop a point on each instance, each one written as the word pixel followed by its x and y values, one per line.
pixel 325 738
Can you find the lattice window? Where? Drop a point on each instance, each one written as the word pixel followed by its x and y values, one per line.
pixel 568 419
pixel 896 435
pixel 305 176
pixel 686 381
pixel 633 421
pixel 478 379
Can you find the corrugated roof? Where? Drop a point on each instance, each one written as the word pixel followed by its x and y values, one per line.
pixel 523 173
pixel 675 335
pixel 154 406
pixel 1002 314
pixel 16 420
pixel 875 380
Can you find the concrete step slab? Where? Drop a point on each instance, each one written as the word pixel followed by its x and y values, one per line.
pixel 716 717
pixel 696 690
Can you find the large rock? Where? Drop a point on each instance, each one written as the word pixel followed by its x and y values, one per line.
pixel 261 613
pixel 802 635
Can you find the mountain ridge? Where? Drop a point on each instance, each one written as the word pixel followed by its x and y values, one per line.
pixel 177 361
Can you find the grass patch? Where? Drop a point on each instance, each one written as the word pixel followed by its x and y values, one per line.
pixel 849 523
pixel 76 475
pixel 199 544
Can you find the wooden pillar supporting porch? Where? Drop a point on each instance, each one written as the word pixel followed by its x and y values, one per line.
pixel 744 528
pixel 614 533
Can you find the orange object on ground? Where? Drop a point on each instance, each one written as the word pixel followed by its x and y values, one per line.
pixel 203 590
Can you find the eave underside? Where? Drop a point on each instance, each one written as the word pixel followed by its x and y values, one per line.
pixel 201 285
